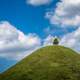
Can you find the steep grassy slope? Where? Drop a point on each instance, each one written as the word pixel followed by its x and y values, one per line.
pixel 48 63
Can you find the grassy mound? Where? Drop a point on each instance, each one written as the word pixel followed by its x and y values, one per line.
pixel 48 63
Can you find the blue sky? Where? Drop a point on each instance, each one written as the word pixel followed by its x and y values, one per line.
pixel 26 17
pixel 29 18
pixel 26 25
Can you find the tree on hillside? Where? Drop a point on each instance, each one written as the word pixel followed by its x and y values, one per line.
pixel 55 41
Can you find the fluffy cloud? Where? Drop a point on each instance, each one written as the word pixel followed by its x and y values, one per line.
pixel 14 44
pixel 66 14
pixel 38 2
pixel 48 40
pixel 72 40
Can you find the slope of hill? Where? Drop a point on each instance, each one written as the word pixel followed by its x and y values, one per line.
pixel 48 63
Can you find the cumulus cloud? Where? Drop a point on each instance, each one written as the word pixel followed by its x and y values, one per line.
pixel 14 44
pixel 67 13
pixel 48 40
pixel 38 2
pixel 72 40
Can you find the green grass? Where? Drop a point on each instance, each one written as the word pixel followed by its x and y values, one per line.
pixel 48 63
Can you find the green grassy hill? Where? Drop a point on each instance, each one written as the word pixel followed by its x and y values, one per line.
pixel 48 63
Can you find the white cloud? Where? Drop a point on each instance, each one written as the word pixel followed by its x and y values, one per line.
pixel 38 2
pixel 14 44
pixel 72 40
pixel 48 40
pixel 66 14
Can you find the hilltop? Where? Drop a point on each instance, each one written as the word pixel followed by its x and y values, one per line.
pixel 48 63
